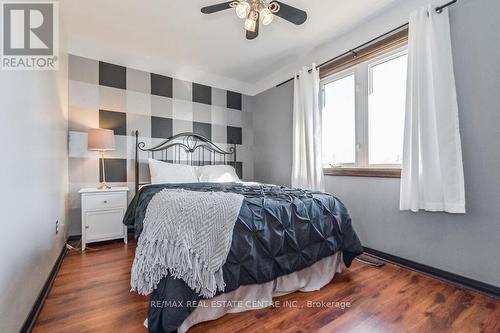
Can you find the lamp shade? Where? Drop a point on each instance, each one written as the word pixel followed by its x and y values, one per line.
pixel 101 139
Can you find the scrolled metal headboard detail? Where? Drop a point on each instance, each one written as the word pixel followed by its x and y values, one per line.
pixel 189 143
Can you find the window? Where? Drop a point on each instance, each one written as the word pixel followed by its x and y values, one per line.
pixel 386 105
pixel 340 134
pixel 363 114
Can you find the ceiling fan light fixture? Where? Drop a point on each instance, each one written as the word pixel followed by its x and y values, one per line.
pixel 258 12
pixel 242 9
pixel 266 15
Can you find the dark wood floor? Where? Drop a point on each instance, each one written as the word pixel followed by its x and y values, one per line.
pixel 91 294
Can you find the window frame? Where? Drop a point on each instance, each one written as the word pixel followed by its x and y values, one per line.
pixel 363 78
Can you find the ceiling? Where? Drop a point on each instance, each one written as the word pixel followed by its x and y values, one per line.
pixel 172 37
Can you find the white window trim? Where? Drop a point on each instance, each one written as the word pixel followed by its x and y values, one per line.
pixel 363 86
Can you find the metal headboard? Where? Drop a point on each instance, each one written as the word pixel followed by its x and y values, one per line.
pixel 190 143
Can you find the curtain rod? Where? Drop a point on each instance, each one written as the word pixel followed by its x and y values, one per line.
pixel 439 10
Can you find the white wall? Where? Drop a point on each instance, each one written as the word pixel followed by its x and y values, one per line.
pixel 34 178
pixel 467 245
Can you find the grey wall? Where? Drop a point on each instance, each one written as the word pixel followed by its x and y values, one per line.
pixel 34 178
pixel 469 244
pixel 273 129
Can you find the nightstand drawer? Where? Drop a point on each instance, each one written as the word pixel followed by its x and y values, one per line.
pixel 105 201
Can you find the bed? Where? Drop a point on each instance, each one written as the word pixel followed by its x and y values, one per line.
pixel 284 240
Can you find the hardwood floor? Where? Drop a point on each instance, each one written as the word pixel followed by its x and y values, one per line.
pixel 91 294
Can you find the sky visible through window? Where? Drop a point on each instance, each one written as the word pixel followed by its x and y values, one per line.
pixel 339 128
pixel 386 111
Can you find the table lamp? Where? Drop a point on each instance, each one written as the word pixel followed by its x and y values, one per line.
pixel 101 140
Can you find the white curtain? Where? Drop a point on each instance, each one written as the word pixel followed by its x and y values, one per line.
pixel 307 169
pixel 432 173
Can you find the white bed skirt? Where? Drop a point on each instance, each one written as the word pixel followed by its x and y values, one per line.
pixel 258 296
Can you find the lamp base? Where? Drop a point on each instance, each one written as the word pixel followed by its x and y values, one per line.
pixel 104 186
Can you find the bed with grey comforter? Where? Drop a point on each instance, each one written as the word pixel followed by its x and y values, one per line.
pixel 278 231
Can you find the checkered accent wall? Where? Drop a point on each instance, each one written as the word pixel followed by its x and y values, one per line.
pixel 124 99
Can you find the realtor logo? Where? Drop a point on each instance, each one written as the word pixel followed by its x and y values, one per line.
pixel 30 35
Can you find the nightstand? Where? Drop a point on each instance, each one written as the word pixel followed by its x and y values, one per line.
pixel 102 214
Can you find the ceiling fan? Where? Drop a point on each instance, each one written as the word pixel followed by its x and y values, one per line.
pixel 254 11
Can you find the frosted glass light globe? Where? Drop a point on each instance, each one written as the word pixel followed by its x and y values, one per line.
pixel 242 9
pixel 267 16
pixel 250 25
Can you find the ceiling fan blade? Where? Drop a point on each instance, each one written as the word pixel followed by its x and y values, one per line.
pixel 216 8
pixel 252 35
pixel 291 14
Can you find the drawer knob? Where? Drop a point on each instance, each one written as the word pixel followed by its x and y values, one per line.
pixel 86 227
pixel 105 201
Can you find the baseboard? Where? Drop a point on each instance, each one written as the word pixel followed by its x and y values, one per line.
pixel 455 279
pixel 29 323
pixel 130 231
pixel 74 238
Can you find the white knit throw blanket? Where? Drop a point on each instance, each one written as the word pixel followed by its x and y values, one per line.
pixel 187 234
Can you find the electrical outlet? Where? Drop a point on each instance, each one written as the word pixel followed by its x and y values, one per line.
pixel 57 227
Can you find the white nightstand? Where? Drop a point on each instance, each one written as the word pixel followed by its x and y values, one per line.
pixel 102 214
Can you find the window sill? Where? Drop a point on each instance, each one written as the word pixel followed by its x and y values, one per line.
pixel 363 172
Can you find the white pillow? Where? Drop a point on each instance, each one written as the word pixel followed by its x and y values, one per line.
pixel 217 174
pixel 163 172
